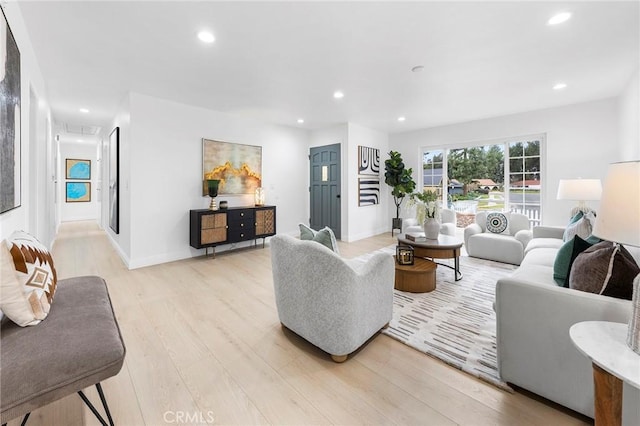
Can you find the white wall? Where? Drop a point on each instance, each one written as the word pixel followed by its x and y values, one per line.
pixel 365 221
pixel 629 112
pixel 32 144
pixel 85 150
pixel 581 140
pixel 121 240
pixel 161 174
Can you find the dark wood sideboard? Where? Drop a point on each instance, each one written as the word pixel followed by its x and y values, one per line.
pixel 211 228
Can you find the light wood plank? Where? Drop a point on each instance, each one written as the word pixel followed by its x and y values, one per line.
pixel 203 335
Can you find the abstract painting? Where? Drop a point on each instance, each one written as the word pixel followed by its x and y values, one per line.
pixel 237 166
pixel 368 191
pixel 114 180
pixel 10 117
pixel 368 161
pixel 78 169
pixel 368 176
pixel 78 192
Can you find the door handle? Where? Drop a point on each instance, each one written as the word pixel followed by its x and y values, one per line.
pixel 338 196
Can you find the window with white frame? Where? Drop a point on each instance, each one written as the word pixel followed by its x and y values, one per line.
pixel 495 176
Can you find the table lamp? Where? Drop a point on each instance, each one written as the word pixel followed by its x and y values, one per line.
pixel 212 187
pixel 618 221
pixel 580 190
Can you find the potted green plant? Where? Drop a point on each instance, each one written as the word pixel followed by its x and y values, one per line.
pixel 399 179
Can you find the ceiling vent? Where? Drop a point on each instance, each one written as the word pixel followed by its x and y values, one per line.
pixel 81 130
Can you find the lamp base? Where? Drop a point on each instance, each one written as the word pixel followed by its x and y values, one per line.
pixel 213 205
pixel 633 335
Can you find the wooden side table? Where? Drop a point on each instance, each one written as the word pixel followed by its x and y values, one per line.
pixel 417 278
pixel 604 343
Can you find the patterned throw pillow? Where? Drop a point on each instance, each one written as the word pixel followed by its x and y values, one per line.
pixel 604 268
pixel 497 223
pixel 34 274
pixel 581 224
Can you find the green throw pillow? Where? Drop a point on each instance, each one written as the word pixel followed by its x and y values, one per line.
pixel 567 254
pixel 306 233
pixel 325 236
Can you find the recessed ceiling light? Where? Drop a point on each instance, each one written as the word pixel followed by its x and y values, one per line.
pixel 84 110
pixel 559 86
pixel 559 18
pixel 338 95
pixel 417 68
pixel 79 140
pixel 206 37
pixel 401 118
pixel 300 121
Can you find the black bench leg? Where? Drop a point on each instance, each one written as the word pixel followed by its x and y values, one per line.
pixel 93 409
pixel 24 420
pixel 104 403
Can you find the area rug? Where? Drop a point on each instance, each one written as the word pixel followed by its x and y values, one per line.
pixel 456 322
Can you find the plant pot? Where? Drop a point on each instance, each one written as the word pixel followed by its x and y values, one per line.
pixel 396 223
pixel 431 228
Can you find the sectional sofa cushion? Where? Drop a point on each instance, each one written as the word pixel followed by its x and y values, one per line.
pixel 605 268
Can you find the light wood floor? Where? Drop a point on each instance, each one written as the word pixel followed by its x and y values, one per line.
pixel 204 342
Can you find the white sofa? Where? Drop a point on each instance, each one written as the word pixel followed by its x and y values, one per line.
pixel 335 304
pixel 447 223
pixel 507 247
pixel 534 315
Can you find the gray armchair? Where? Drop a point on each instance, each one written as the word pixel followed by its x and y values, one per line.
pixel 333 303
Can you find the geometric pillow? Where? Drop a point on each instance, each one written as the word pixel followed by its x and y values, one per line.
pixel 325 236
pixel 605 268
pixel 35 275
pixel 497 223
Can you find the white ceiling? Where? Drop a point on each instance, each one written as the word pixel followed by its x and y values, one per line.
pixel 280 61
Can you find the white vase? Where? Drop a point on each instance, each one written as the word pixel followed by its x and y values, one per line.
pixel 431 228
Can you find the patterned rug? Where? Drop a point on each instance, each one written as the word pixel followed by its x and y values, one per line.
pixel 456 322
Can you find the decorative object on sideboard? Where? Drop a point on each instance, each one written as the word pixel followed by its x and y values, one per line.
pixel 619 221
pixel 224 205
pixel 404 254
pixel 580 190
pixel 259 197
pixel 212 188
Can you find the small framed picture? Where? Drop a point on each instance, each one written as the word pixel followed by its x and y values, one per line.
pixel 78 192
pixel 78 169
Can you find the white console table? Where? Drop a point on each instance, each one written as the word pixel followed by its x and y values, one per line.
pixel 605 344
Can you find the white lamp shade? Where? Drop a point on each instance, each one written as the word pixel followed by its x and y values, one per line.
pixel 579 189
pixel 619 217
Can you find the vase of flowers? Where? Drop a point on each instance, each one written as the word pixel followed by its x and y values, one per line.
pixel 428 212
